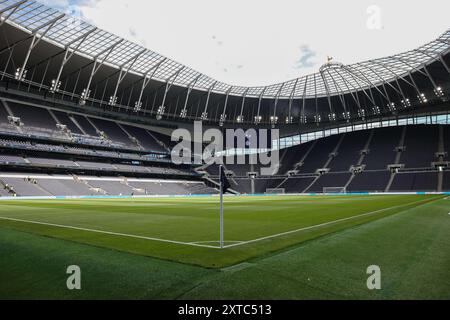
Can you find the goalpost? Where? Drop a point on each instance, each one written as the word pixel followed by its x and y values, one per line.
pixel 334 190
pixel 275 191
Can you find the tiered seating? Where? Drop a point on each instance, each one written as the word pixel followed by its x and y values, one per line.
pixel 113 131
pixel 23 187
pixel 297 184
pixel 96 165
pixel 65 187
pixel 4 123
pixel 447 142
pixel 11 159
pixel 289 157
pixel 382 148
pixel 145 139
pixel 420 181
pixel 64 119
pixel 350 151
pixel 37 118
pixel 112 187
pixel 330 180
pixel 370 181
pixel 84 123
pixel 446 183
pixel 242 185
pixel 421 146
pixel 319 154
pixel 51 162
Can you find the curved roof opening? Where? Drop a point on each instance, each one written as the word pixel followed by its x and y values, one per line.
pixel 259 43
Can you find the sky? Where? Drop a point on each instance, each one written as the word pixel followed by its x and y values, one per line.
pixel 262 42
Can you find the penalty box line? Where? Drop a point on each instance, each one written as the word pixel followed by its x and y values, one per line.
pixel 237 244
pixel 193 244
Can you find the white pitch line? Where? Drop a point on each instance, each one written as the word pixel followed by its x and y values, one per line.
pixel 319 225
pixel 110 233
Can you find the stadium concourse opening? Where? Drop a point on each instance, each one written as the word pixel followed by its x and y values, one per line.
pixel 87 172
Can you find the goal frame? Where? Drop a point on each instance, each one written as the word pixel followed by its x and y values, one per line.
pixel 275 191
pixel 334 190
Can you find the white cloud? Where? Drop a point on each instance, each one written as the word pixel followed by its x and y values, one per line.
pixel 259 42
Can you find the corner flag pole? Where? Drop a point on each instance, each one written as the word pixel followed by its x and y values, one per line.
pixel 221 208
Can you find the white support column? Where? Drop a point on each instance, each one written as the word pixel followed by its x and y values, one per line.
pixel 204 115
pixel 69 53
pixel 34 42
pixel 122 74
pixel 189 90
pixel 95 68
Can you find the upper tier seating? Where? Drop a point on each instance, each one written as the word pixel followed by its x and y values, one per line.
pixel 349 151
pixel 64 119
pixel 382 148
pixel 145 139
pixel 113 131
pixel 37 118
pixel 85 125
pixel 319 154
pixel 421 146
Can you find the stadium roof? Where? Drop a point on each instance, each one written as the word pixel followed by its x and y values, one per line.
pixel 333 79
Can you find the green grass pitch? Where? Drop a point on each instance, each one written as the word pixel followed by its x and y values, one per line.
pixel 290 247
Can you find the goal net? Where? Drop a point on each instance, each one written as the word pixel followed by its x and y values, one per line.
pixel 334 190
pixel 276 191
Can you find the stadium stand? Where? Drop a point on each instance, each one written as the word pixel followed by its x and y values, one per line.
pixel 381 151
pixel 415 181
pixel 421 144
pixel 359 161
pixel 370 181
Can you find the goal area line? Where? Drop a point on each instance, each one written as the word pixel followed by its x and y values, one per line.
pixel 207 244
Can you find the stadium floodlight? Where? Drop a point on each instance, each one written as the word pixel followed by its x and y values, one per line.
pixel 346 115
pixel 303 119
pixel 406 103
pixel 258 119
pixel 160 113
pixel 112 101
pixel 55 86
pixel 422 98
pixel 332 117
pixel 137 106
pixel 222 120
pixel 439 93
pixel 273 119
pixel 317 118
pixel 183 113
pixel 20 74
pixel 362 113
pixel 391 106
pixel 376 110
pixel 240 119
pixel 289 120
pixel 84 96
pixel 204 116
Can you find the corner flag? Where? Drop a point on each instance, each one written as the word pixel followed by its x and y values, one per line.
pixel 224 186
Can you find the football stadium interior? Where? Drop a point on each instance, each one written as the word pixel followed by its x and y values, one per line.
pixel 86 119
